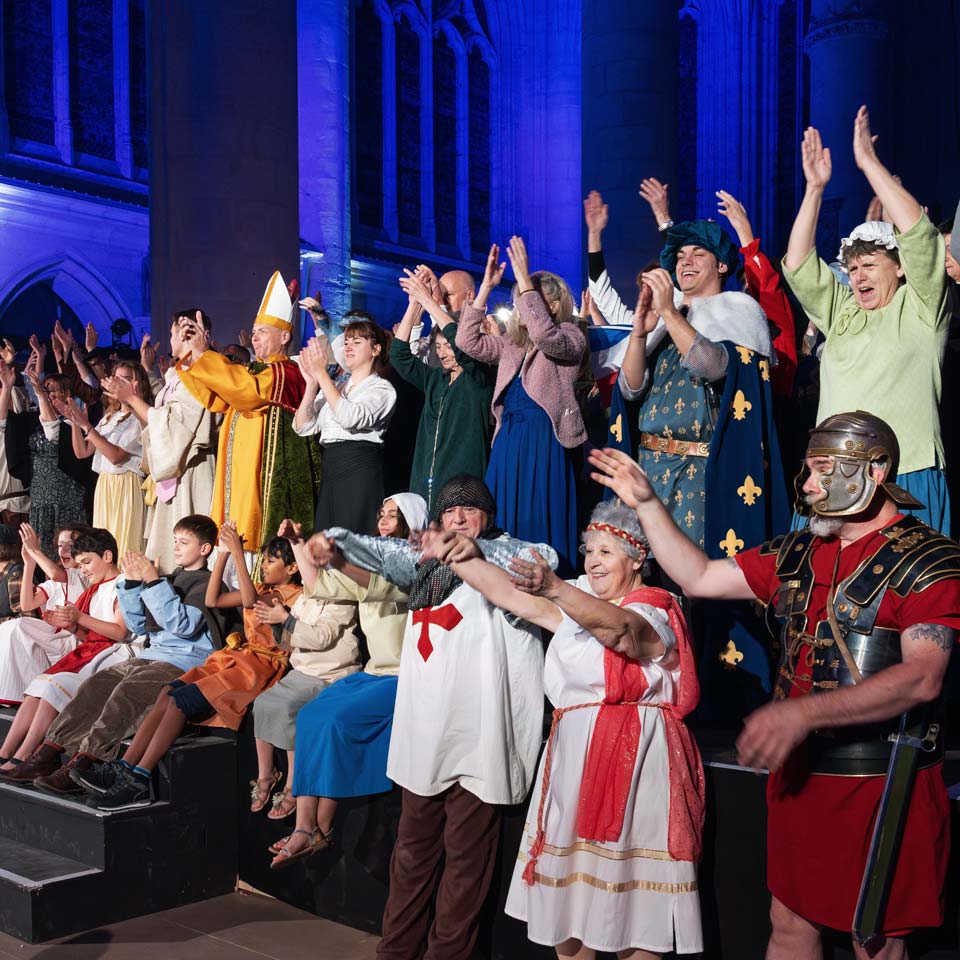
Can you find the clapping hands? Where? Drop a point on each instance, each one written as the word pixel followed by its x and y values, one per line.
pixel 314 358
pixel 136 566
pixel 230 538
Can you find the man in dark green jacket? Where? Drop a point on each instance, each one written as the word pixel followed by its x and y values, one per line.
pixel 455 426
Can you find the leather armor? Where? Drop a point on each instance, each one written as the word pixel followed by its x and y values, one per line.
pixel 911 558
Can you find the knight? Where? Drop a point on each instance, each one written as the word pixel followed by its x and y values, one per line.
pixel 868 604
pixel 467 725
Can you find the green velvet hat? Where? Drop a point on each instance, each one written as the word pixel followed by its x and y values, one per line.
pixel 703 233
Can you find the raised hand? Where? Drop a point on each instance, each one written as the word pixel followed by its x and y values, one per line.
pixel 661 288
pixel 148 353
pixel 314 358
pixel 8 376
pixel 416 289
pixel 90 337
pixel 7 353
pixel 864 152
pixel 163 364
pixel 229 538
pixel 644 316
pixel 118 389
pixel 30 542
pixel 595 213
pixel 615 470
pixel 815 157
pixel 243 338
pixel 657 195
pixel 194 335
pixel 734 211
pixel 72 411
pixel 535 578
pixel 40 349
pixel 493 272
pixel 291 531
pixel 430 281
pixel 519 263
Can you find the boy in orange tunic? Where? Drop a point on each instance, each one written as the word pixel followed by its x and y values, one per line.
pixel 218 692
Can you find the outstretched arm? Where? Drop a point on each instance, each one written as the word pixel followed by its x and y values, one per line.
pixel 817 167
pixel 898 204
pixel 685 564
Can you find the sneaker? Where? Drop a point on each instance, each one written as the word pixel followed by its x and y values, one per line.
pixel 128 791
pixel 99 778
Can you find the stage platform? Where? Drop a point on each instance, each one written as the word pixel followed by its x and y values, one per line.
pixel 65 868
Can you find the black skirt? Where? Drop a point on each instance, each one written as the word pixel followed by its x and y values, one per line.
pixel 351 486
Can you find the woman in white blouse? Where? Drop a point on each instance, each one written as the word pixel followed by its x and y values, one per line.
pixel 351 416
pixel 114 444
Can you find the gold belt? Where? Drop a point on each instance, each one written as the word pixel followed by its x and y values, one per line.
pixel 683 448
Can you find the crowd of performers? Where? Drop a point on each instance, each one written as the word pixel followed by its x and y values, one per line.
pixel 190 538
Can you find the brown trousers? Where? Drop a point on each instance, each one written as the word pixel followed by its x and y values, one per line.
pixel 466 831
pixel 110 706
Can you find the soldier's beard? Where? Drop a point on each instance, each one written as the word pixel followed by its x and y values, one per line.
pixel 825 526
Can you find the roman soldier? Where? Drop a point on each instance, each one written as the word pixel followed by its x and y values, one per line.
pixel 868 600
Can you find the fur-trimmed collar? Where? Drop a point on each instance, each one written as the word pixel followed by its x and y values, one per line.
pixel 725 316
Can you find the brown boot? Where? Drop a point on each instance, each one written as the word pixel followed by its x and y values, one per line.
pixel 60 782
pixel 42 762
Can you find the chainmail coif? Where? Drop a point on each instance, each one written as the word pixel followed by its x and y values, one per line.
pixel 435 582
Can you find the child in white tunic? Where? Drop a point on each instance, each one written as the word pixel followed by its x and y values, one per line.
pixel 102 641
pixel 28 645
pixel 608 860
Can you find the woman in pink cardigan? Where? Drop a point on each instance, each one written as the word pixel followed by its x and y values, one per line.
pixel 531 469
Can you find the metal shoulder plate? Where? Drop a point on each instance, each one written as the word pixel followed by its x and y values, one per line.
pixel 912 557
pixel 793 570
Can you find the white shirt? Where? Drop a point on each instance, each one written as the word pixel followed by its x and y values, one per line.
pixel 124 433
pixel 362 413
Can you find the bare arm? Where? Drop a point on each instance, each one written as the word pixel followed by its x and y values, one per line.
pixel 817 167
pixel 684 562
pixel 898 204
pixel 213 597
pixel 772 732
pixel 325 553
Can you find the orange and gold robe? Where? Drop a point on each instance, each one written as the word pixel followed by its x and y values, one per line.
pixel 265 472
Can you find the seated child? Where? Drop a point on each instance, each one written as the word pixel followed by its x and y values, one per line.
pixel 342 735
pixel 103 640
pixel 218 692
pixel 181 633
pixel 28 645
pixel 321 631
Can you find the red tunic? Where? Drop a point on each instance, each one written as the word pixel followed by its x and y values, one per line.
pixel 819 826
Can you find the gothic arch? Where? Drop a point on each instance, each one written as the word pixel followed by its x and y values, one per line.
pixel 91 296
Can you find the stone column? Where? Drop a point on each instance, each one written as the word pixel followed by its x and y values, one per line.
pixel 224 190
pixel 850 52
pixel 323 79
pixel 629 58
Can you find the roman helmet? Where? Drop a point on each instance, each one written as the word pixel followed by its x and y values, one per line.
pixel 856 441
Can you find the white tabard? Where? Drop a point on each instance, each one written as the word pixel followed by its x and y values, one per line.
pixel 469 701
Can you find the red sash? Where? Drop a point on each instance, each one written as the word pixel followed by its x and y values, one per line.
pixel 91 646
pixel 612 755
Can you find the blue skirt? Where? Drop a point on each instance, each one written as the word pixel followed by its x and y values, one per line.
pixel 343 735
pixel 531 476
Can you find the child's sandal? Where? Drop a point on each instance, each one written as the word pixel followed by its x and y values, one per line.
pixel 284 804
pixel 261 789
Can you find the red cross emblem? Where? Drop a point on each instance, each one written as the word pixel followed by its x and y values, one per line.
pixel 447 617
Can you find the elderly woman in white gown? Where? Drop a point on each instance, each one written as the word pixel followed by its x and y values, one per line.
pixel 613 832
